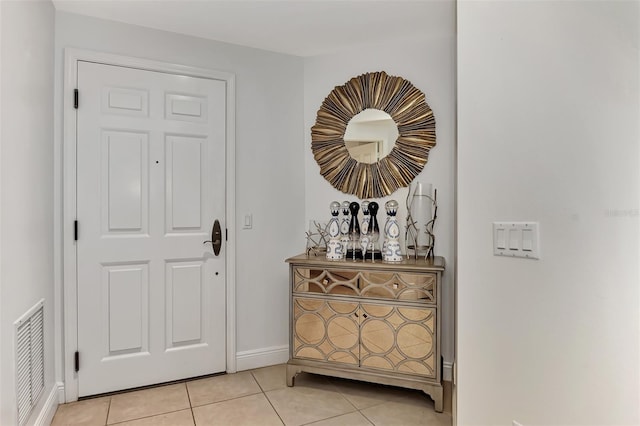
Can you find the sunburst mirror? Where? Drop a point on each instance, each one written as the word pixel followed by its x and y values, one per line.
pixel 372 165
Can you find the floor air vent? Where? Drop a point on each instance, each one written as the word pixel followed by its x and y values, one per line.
pixel 29 360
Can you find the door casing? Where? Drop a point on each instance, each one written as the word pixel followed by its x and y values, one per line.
pixel 69 281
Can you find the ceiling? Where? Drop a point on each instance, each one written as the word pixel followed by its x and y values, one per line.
pixel 295 27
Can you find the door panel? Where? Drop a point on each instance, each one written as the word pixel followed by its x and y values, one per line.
pixel 125 101
pixel 125 160
pixel 184 296
pixel 151 182
pixel 127 307
pixel 185 182
pixel 186 108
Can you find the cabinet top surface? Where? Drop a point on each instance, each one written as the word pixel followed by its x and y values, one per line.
pixel 435 264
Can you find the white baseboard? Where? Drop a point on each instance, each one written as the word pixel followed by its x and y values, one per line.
pixel 61 395
pixel 447 371
pixel 262 357
pixel 56 395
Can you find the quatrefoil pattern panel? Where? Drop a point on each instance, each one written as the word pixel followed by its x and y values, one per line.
pixel 378 285
pixel 326 330
pixel 393 338
pixel 400 339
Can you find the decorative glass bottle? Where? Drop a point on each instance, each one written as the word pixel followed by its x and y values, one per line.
pixel 392 252
pixel 354 233
pixel 374 232
pixel 334 246
pixel 364 228
pixel 344 227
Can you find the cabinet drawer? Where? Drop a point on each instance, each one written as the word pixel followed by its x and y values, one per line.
pixel 408 286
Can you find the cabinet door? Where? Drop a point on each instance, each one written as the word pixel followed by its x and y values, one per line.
pixel 400 339
pixel 325 330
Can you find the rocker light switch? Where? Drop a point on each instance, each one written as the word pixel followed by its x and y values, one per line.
pixel 516 239
pixel 501 242
pixel 527 240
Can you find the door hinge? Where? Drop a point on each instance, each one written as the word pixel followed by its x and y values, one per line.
pixel 75 230
pixel 76 360
pixel 75 98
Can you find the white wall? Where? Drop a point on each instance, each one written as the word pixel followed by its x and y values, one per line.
pixel 3 346
pixel 548 131
pixel 26 201
pixel 269 170
pixel 430 66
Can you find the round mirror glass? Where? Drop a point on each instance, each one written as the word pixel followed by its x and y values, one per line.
pixel 370 135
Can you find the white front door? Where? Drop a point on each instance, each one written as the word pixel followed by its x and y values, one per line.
pixel 150 184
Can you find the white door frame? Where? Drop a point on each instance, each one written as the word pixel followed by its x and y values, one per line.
pixel 70 282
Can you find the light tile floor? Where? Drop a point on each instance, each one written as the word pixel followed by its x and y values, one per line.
pixel 259 397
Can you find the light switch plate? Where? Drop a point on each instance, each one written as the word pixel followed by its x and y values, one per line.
pixel 248 221
pixel 516 239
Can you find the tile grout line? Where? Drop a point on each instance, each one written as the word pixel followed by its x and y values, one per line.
pixel 106 421
pixel 365 416
pixel 193 416
pixel 356 408
pixel 328 418
pixel 148 417
pixel 267 398
pixel 256 380
pixel 222 400
pixel 152 415
pixel 337 389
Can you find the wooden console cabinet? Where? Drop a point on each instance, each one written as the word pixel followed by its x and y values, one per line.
pixel 377 322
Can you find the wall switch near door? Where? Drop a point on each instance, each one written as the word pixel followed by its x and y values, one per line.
pixel 248 221
pixel 516 239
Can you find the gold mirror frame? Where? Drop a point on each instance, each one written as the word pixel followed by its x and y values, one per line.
pixel 416 127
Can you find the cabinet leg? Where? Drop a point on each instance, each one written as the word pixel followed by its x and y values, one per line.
pixel 437 395
pixel 439 405
pixel 292 371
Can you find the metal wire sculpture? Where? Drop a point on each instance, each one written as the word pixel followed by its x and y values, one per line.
pixel 317 240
